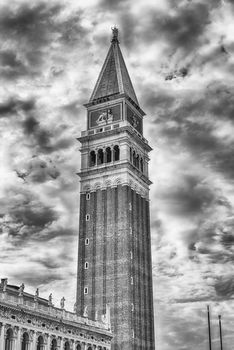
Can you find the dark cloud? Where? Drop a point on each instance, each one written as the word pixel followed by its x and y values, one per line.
pixel 32 28
pixel 40 136
pixel 46 141
pixel 25 216
pixel 224 287
pixel 32 215
pixel 53 262
pixel 14 105
pixel 219 99
pixel 185 27
pixel 39 278
pixel 191 197
pixel 50 234
pixel 182 72
pixel 28 21
pixel 190 123
pixel 10 65
pixel 112 4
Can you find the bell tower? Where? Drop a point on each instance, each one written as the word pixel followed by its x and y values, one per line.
pixel 114 258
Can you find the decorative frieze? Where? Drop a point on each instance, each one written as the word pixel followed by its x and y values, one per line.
pixel 32 325
pixel 110 180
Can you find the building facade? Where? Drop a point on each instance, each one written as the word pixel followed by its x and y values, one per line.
pixel 114 258
pixel 29 322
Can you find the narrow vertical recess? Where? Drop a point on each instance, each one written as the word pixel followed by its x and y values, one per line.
pixel 115 325
pixel 139 239
pixel 94 214
pixel 144 272
pixel 150 286
pixel 81 256
pixel 104 201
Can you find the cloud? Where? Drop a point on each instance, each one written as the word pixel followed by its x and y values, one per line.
pixel 38 170
pixel 35 31
pixel 225 286
pixel 14 105
pixel 24 216
pixel 11 66
pixel 190 197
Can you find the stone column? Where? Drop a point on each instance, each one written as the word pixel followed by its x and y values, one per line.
pixel 46 341
pixel 61 344
pixel 14 340
pixel 96 159
pixel 2 336
pixel 49 340
pixel 18 339
pixel 34 341
pixel 72 343
pixel 104 155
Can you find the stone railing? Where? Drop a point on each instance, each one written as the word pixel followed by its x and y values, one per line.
pixel 49 310
pixel 112 127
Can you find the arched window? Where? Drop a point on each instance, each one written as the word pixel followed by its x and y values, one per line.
pixel 116 152
pixel 89 348
pixel 78 347
pixel 92 158
pixel 108 155
pixel 137 161
pixel 40 343
pixel 67 346
pixel 141 165
pixel 54 344
pixel 9 339
pixel 100 157
pixel 131 154
pixel 25 342
pixel 134 158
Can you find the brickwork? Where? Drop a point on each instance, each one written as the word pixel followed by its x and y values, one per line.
pixel 119 259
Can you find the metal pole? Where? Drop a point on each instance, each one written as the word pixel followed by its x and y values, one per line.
pixel 220 333
pixel 209 331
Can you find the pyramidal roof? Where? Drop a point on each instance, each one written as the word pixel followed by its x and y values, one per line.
pixel 114 77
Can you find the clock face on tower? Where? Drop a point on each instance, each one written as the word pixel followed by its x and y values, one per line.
pixel 104 116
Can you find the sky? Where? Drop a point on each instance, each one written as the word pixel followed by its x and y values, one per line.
pixel 180 56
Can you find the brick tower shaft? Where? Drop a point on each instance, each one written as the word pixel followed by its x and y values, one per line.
pixel 114 258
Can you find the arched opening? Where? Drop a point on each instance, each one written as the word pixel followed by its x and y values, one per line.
pixel 67 346
pixel 108 155
pixel 116 152
pixel 137 161
pixel 134 158
pixel 141 165
pixel 53 345
pixel 78 347
pixel 40 343
pixel 92 158
pixel 100 158
pixel 90 348
pixel 25 342
pixel 9 339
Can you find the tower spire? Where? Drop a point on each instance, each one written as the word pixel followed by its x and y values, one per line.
pixel 114 79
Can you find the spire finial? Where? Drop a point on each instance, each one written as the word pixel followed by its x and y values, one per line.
pixel 115 33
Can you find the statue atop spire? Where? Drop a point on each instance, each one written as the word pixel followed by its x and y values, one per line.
pixel 115 33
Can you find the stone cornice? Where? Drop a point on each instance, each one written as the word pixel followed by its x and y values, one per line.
pixel 104 170
pixel 116 131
